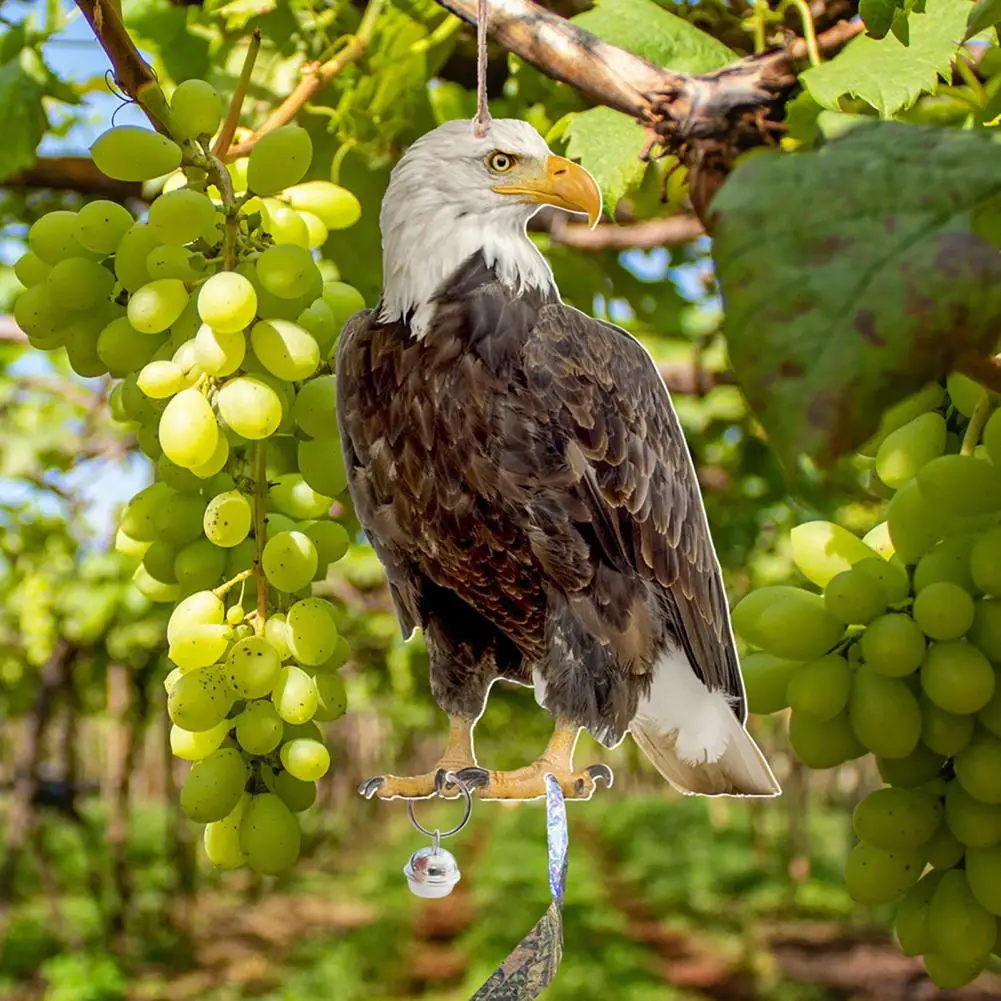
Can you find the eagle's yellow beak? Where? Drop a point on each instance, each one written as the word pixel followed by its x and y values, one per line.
pixel 562 183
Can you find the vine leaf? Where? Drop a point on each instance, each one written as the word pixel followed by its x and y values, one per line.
pixel 23 121
pixel 888 73
pixel 609 143
pixel 838 306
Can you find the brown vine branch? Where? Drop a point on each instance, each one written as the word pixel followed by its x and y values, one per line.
pixel 645 235
pixel 315 78
pixel 986 371
pixel 74 173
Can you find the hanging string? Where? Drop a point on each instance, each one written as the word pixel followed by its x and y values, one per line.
pixel 482 120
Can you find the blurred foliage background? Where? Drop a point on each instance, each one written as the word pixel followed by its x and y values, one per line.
pixel 104 893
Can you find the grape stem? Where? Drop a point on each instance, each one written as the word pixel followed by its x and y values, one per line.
pixel 223 589
pixel 260 532
pixel 315 78
pixel 225 138
pixel 975 428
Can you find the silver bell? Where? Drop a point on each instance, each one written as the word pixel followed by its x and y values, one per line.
pixel 432 872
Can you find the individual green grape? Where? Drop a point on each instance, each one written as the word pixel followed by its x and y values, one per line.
pixel 130 257
pixel 136 404
pixel 943 849
pixel 983 871
pixel 200 609
pixel 884 714
pixel 332 698
pixel 259 729
pixel 335 206
pixel 854 597
pixel 345 300
pixel 30 269
pixel 78 283
pixel 279 160
pixel 294 695
pixel 949 975
pixel 312 632
pixel 214 786
pixel 797 628
pixel 920 766
pixel 985 633
pixel 181 216
pixel 944 732
pixel 322 466
pixel 36 313
pixel 196 109
pixel 130 153
pixel 915 522
pixel 874 875
pixel 188 430
pixel 943 611
pixel 253 667
pixel 316 232
pixel 318 319
pixel 159 562
pixel 278 523
pixel 985 562
pixel 53 237
pixel 137 517
pixel 949 561
pixel 928 398
pixel 154 589
pixel 227 519
pixel 200 699
pixel 766 681
pixel 289 560
pixel 216 461
pixel 199 646
pixel 178 519
pixel 276 633
pixel 897 818
pixel 911 924
pixel 823 743
pixel 172 261
pixel 287 271
pixel 978 768
pixel 957 677
pixel 961 486
pixel 976 824
pixel 964 392
pixel 269 835
pixel 195 746
pixel 217 353
pixel 893 645
pixel 155 306
pixel 963 931
pixel 250 407
pixel 295 731
pixel 285 349
pixel 284 224
pixel 905 451
pixel 294 497
pixel 821 549
pixel 331 542
pixel 127 546
pixel 222 838
pixel 990 716
pixel 306 760
pixel 123 349
pixel 314 410
pixel 992 437
pixel 100 226
pixel 227 302
pixel 295 794
pixel 199 565
pixel 820 688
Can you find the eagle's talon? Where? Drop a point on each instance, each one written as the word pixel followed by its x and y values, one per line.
pixel 473 778
pixel 601 773
pixel 371 786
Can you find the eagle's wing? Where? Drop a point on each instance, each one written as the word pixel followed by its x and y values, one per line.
pixel 635 477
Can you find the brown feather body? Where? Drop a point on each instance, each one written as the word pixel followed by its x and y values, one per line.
pixel 523 477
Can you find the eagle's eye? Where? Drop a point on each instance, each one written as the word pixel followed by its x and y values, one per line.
pixel 499 162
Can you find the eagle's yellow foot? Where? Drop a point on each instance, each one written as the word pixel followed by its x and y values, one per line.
pixel 530 783
pixel 458 756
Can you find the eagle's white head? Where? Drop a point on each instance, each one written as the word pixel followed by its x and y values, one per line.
pixel 453 194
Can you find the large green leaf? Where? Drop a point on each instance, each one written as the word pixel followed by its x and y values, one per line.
pixel 23 121
pixel 854 275
pixel 885 72
pixel 609 144
pixel 647 30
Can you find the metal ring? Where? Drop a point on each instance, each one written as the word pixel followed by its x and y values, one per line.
pixel 436 835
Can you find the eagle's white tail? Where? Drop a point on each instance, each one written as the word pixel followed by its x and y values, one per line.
pixel 692 737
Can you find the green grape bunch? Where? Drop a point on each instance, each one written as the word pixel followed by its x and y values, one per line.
pixel 898 655
pixel 214 317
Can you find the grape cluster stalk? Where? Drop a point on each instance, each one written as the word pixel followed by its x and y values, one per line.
pixel 898 655
pixel 214 317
